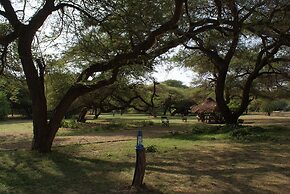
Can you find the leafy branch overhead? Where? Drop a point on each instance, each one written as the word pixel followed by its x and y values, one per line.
pixel 227 29
pixel 80 20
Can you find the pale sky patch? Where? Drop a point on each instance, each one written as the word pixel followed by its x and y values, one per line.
pixel 176 73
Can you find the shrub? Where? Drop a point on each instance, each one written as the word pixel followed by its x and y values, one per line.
pixel 255 105
pixel 209 129
pixel 248 133
pixel 69 124
pixel 267 107
pixel 280 105
pixel 270 106
pixel 116 125
pixel 236 132
pixel 234 105
pixel 152 149
pixel 4 106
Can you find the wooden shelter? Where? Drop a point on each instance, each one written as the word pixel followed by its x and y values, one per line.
pixel 208 111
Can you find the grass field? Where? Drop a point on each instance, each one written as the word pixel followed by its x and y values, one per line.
pixel 99 157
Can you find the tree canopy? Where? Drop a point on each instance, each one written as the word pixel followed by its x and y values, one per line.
pixel 116 44
pixel 243 41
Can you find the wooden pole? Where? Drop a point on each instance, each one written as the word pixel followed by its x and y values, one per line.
pixel 139 168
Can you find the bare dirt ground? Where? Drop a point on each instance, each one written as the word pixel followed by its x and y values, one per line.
pixel 266 120
pixel 116 136
pixel 22 140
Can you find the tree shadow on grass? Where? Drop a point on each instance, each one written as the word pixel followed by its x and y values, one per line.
pixel 236 168
pixel 16 121
pixel 28 172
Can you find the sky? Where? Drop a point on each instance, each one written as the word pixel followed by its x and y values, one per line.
pixel 177 73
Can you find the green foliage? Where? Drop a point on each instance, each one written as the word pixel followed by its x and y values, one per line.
pixel 249 133
pixel 211 129
pixel 275 105
pixel 243 61
pixel 236 132
pixel 17 94
pixel 176 99
pixel 174 83
pixel 4 106
pixel 281 105
pixel 255 105
pixel 72 124
pixel 268 107
pixel 55 89
pixel 234 105
pixel 116 125
pixel 151 149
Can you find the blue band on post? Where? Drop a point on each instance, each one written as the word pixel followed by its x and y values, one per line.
pixel 139 145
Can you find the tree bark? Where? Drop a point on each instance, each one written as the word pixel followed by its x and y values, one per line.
pixel 82 115
pixel 97 112
pixel 35 82
pixel 229 117
pixel 139 168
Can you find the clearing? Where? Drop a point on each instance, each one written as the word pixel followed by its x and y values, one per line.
pixel 99 157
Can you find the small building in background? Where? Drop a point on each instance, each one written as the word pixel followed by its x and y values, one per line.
pixel 208 112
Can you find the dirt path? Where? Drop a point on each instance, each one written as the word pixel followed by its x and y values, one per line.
pixel 23 140
pixel 116 136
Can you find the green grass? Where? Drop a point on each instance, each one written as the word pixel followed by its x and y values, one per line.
pixel 14 132
pixel 15 126
pixel 235 133
pixel 178 166
pixel 192 159
pixel 25 172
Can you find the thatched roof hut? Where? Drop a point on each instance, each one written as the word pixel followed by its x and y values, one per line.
pixel 208 111
pixel 209 105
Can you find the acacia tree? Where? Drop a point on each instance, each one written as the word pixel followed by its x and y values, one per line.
pixel 175 97
pixel 119 96
pixel 139 96
pixel 232 25
pixel 23 33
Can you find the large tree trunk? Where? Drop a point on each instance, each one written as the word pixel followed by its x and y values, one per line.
pixel 232 117
pixel 35 82
pixel 81 117
pixel 229 117
pixel 43 130
pixel 97 112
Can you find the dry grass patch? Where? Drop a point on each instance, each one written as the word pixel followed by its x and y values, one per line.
pixel 222 168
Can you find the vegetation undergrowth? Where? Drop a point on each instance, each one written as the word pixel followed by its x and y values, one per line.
pixel 78 128
pixel 69 124
pixel 235 132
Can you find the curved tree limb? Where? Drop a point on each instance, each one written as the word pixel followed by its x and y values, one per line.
pixel 125 58
pixel 10 13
